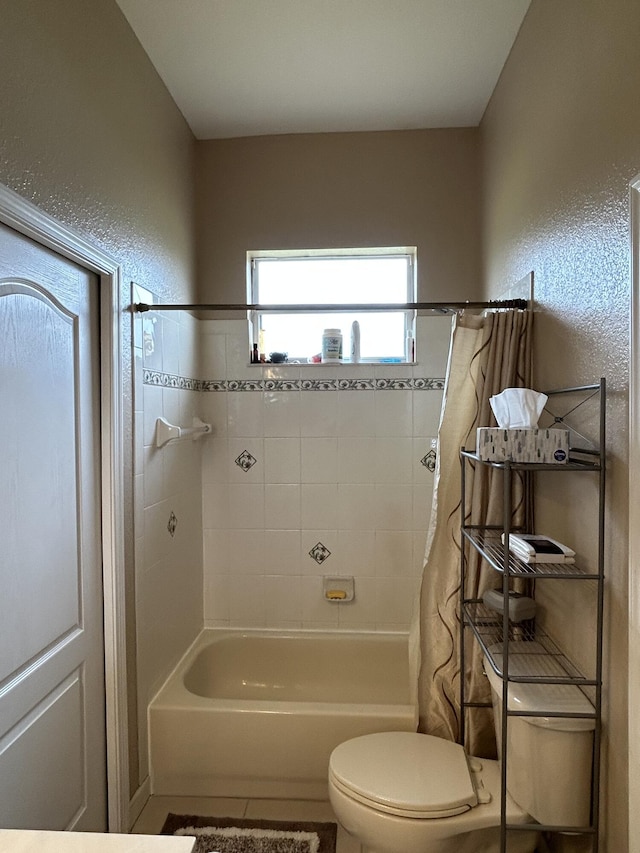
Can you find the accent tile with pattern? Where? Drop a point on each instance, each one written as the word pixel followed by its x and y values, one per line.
pixel 246 461
pixel 320 553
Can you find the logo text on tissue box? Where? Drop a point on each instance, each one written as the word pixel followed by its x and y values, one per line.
pixel 497 444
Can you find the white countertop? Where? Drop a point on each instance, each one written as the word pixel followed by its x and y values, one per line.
pixel 44 841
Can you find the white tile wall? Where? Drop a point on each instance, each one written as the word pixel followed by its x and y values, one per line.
pixel 339 467
pixel 168 569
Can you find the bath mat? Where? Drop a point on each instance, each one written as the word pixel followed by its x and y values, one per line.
pixel 236 835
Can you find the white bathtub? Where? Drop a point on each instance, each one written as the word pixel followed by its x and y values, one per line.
pixel 257 714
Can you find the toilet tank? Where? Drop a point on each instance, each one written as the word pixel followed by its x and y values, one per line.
pixel 549 759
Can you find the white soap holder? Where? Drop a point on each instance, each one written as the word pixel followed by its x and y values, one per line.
pixel 338 589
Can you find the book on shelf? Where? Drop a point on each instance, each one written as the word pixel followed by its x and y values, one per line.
pixel 536 548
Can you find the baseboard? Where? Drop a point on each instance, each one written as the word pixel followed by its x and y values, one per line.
pixel 139 801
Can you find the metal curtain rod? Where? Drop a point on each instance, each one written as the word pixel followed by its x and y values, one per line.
pixel 346 308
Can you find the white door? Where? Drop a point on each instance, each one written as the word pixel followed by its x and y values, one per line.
pixel 52 694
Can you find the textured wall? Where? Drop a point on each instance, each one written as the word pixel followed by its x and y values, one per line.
pixel 408 188
pixel 561 142
pixel 91 136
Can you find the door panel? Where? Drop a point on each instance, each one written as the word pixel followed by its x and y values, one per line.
pixel 52 728
pixel 38 441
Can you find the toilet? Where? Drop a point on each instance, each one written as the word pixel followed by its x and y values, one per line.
pixel 405 792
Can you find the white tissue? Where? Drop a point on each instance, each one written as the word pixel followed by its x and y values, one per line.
pixel 518 408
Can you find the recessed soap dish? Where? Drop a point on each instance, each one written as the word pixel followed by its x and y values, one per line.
pixel 338 589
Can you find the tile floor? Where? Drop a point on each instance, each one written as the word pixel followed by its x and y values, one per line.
pixel 155 812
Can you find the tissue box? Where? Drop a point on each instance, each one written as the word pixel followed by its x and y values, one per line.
pixel 496 444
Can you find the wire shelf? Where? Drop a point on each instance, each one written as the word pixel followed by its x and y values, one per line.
pixel 580 459
pixel 526 642
pixel 522 652
pixel 489 544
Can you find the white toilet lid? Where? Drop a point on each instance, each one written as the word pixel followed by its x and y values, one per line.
pixel 404 773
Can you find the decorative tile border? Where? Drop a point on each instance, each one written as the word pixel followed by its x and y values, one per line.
pixel 167 380
pixel 215 385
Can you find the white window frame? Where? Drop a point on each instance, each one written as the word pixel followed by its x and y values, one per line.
pixel 257 316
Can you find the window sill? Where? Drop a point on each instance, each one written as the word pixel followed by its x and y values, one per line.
pixel 336 364
pixel 342 371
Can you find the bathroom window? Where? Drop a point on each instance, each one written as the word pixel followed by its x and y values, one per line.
pixel 339 277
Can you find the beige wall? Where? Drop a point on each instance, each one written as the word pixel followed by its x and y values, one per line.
pixel 561 141
pixel 341 190
pixel 91 136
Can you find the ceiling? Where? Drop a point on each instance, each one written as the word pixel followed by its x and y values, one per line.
pixel 256 67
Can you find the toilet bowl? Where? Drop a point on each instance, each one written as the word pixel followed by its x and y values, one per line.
pixel 404 792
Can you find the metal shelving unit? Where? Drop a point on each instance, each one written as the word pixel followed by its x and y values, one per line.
pixel 494 631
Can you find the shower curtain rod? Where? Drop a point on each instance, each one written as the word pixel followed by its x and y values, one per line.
pixel 444 307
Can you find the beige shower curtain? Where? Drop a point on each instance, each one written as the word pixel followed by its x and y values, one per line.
pixel 488 353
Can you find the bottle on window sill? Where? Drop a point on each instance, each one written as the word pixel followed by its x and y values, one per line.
pixel 331 346
pixel 410 348
pixel 355 342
